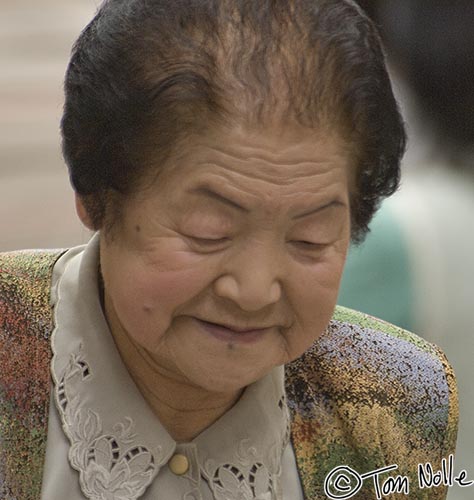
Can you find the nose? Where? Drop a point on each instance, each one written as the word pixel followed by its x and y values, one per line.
pixel 251 280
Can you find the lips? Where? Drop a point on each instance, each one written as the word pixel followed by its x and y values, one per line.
pixel 236 329
pixel 233 333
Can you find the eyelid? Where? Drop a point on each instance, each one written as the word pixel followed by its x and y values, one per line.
pixel 209 240
pixel 207 245
pixel 310 243
pixel 310 247
pixel 199 223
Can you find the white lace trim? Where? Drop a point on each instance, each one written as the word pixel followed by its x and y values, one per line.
pixel 110 466
pixel 248 478
pixel 245 479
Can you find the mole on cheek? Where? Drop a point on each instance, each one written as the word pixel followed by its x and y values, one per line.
pixel 138 228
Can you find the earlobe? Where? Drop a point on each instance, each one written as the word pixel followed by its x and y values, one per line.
pixel 82 213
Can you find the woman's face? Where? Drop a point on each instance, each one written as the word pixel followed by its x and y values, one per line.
pixel 229 264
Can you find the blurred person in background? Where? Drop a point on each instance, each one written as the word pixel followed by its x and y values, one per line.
pixel 415 268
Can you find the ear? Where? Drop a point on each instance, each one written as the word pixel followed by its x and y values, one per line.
pixel 82 213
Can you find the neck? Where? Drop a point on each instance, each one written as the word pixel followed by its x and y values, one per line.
pixel 184 409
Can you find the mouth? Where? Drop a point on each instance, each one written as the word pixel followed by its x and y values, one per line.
pixel 233 333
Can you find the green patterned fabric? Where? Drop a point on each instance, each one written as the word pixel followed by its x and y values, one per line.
pixel 366 395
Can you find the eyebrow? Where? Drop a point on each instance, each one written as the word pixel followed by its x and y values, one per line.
pixel 210 193
pixel 334 203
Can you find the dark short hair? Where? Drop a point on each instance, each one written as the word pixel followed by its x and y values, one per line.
pixel 144 74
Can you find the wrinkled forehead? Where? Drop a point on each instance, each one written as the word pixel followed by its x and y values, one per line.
pixel 266 161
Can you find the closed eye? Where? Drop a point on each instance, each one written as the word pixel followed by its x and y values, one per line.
pixel 308 245
pixel 208 244
pixel 208 241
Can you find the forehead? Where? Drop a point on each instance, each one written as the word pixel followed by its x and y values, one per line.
pixel 261 163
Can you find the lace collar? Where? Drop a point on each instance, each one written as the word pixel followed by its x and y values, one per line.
pixel 117 444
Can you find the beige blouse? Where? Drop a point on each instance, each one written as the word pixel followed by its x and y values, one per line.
pixel 105 443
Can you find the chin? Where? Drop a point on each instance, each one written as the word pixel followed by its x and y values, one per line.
pixel 227 383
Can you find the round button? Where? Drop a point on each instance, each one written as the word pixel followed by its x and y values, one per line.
pixel 178 464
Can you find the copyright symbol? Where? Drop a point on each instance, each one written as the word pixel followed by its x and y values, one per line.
pixel 342 482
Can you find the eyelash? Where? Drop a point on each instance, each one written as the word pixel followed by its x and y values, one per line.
pixel 211 242
pixel 208 241
pixel 309 245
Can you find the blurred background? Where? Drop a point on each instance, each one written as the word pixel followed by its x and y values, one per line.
pixel 36 202
pixel 414 270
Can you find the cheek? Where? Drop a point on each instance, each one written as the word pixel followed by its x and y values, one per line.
pixel 146 297
pixel 313 297
pixel 318 283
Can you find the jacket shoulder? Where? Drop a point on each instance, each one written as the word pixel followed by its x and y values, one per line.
pixel 368 394
pixel 26 324
pixel 25 282
pixel 27 264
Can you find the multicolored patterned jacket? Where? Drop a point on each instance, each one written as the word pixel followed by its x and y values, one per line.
pixel 366 396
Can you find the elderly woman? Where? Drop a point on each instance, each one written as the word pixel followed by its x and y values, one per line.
pixel 225 152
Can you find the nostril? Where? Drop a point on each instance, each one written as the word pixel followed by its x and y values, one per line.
pixel 275 292
pixel 251 295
